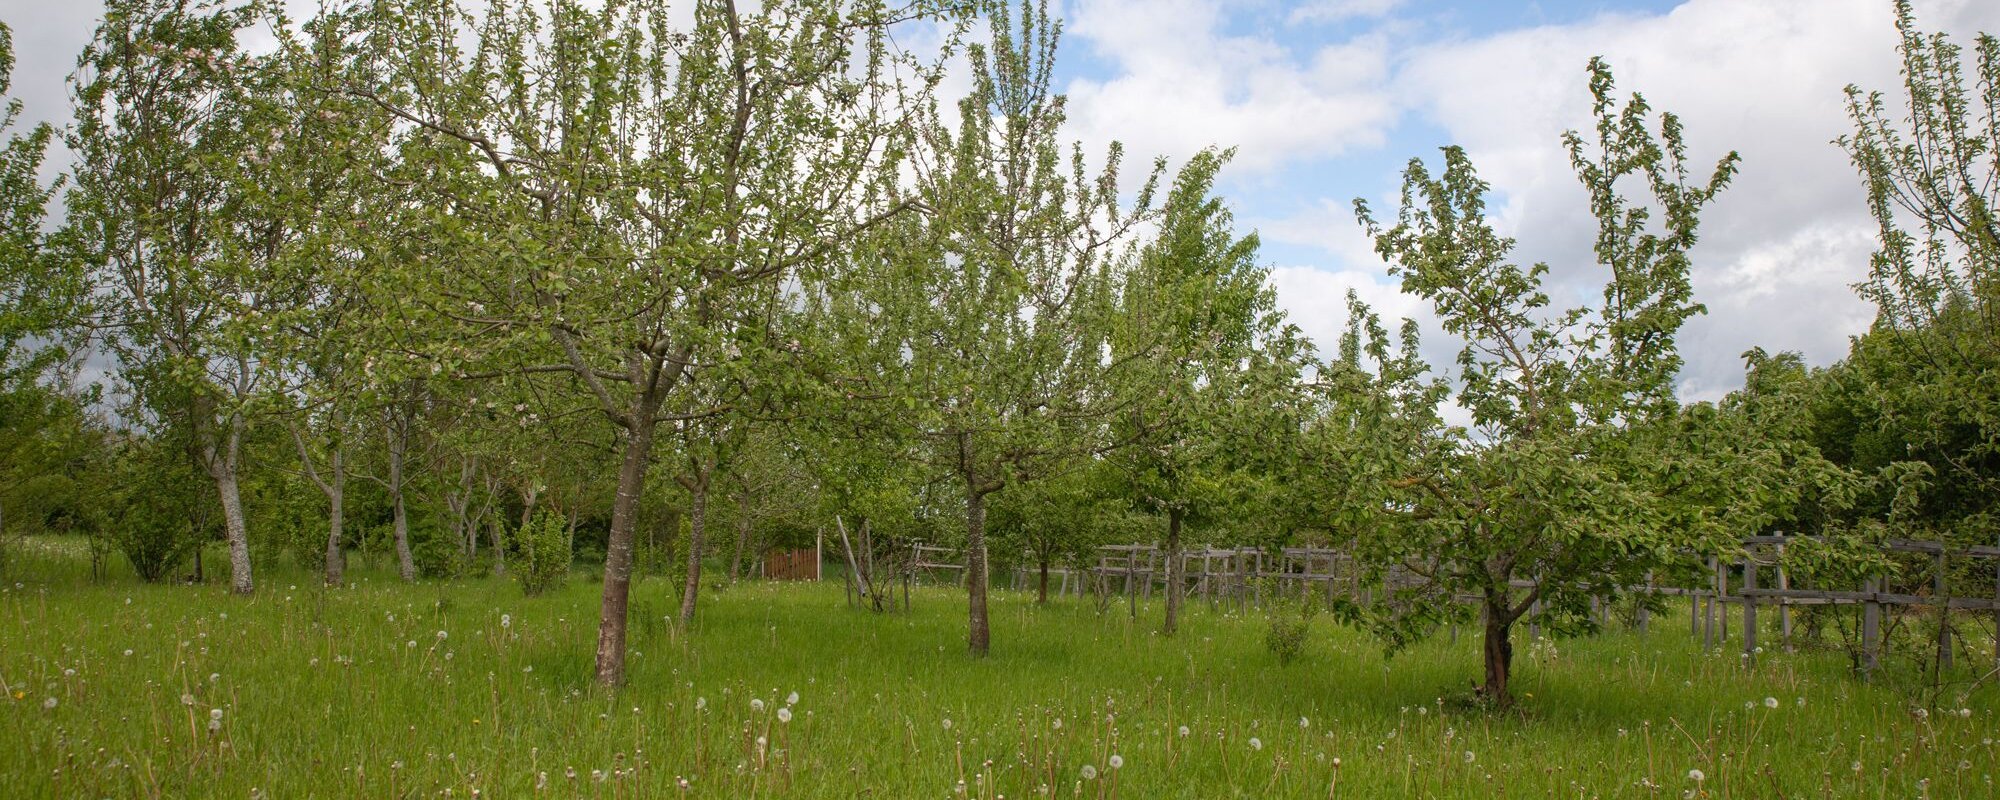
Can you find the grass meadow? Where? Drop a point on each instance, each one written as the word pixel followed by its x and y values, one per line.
pixel 468 689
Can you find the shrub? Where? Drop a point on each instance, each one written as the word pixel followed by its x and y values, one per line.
pixel 1290 619
pixel 545 553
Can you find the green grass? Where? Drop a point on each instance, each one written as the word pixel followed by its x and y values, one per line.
pixel 355 693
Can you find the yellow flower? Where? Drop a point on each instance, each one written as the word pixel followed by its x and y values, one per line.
pixel 20 695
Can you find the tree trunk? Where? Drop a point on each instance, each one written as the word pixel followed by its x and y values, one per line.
pixel 618 547
pixel 980 638
pixel 1499 651
pixel 406 563
pixel 221 460
pixel 336 498
pixel 697 528
pixel 742 541
pixel 1174 588
pixel 498 530
pixel 1042 589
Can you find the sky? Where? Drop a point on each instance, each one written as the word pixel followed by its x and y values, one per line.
pixel 1327 100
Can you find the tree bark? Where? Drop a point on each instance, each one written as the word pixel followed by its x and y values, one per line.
pixel 221 458
pixel 406 562
pixel 336 498
pixel 979 638
pixel 618 547
pixel 697 527
pixel 1174 588
pixel 1499 650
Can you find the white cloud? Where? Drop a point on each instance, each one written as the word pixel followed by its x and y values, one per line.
pixel 1182 84
pixel 1325 11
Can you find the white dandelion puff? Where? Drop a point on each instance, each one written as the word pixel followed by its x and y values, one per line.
pixel 1256 743
pixel 1304 723
pixel 792 699
pixel 1116 761
pixel 1770 702
pixel 785 714
pixel 1089 772
pixel 756 705
pixel 1697 775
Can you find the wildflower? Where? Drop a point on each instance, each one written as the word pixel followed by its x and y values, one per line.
pixel 700 703
pixel 413 643
pixel 1256 743
pixel 1469 756
pixel 1336 762
pixel 69 673
pixel 1697 775
pixel 187 699
pixel 215 715
pixel 756 705
pixel 1089 772
pixel 506 620
pixel 49 704
pixel 1304 723
pixel 1965 713
pixel 785 714
pixel 128 651
pixel 1184 731
pixel 1770 702
pixel 1116 761
pixel 947 723
pixel 214 676
pixel 792 699
pixel 441 635
pixel 1057 724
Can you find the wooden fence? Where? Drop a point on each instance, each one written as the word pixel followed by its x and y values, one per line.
pixel 1241 576
pixel 792 565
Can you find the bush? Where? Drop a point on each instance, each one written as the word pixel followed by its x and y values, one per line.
pixel 1290 619
pixel 545 553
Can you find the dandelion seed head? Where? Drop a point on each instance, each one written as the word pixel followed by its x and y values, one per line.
pixel 1089 772
pixel 1116 761
pixel 1697 775
pixel 785 714
pixel 1256 743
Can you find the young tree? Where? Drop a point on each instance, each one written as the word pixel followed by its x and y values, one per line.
pixel 1195 311
pixel 1549 501
pixel 989 312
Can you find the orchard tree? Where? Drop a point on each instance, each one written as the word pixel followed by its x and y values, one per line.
pixel 990 310
pixel 1195 309
pixel 630 182
pixel 179 258
pixel 1919 387
pixel 1548 500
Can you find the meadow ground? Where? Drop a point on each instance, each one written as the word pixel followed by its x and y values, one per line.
pixel 119 689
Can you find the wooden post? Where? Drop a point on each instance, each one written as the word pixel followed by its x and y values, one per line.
pixel 1784 607
pixel 1871 628
pixel 1941 593
pixel 1648 596
pixel 1721 607
pixel 1708 610
pixel 1750 608
pixel 819 553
